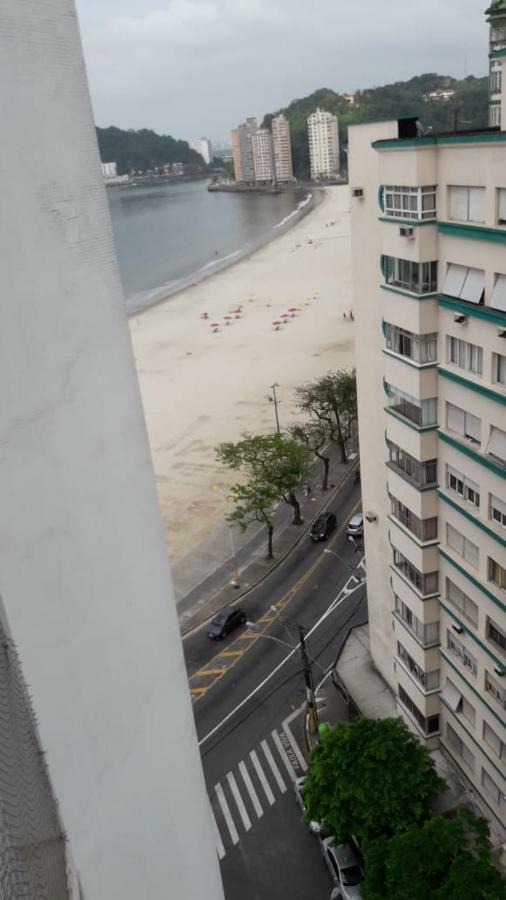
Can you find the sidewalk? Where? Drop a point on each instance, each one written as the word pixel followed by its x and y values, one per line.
pixel 215 590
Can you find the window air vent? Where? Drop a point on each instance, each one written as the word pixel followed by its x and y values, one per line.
pixel 358 193
pixel 460 319
pixel 407 232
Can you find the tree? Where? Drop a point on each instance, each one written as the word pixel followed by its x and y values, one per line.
pixel 274 466
pixel 313 435
pixel 370 777
pixel 331 401
pixel 441 859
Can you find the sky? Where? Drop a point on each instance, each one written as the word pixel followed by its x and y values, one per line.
pixel 195 68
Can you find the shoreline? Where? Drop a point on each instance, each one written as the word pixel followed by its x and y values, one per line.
pixel 159 295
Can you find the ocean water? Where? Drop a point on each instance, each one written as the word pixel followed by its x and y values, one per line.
pixel 167 233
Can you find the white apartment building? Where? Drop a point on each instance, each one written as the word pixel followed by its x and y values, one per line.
pixel 323 138
pixel 263 159
pixel 202 146
pixel 429 276
pixel 496 16
pixel 282 148
pixel 109 170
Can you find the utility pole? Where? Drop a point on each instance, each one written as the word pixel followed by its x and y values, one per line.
pixel 274 400
pixel 308 679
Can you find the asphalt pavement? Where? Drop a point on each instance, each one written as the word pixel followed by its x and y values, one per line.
pixel 248 694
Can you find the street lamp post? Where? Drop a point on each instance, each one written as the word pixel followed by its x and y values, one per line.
pixel 275 400
pixel 236 582
pixel 356 574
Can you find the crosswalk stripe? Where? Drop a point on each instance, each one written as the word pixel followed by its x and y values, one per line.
pixel 227 815
pixel 251 790
pixel 262 779
pixel 281 750
pixel 275 771
pixel 219 843
pixel 246 821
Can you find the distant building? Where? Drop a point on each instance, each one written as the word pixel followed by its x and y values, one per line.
pixel 282 148
pixel 202 146
pixel 323 145
pixel 441 95
pixel 351 99
pixel 236 155
pixel 109 170
pixel 246 132
pixel 263 159
pixel 496 16
pixel 178 168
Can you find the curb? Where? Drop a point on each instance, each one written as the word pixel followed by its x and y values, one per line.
pixel 185 632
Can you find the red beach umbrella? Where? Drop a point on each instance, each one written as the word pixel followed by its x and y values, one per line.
pixel 293 309
pixel 284 316
pixel 277 325
pixel 214 325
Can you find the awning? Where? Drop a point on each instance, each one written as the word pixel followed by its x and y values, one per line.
pixel 497 444
pixel 498 300
pixel 451 695
pixel 474 286
pixel 455 278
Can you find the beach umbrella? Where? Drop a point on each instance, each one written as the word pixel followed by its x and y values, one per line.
pixel 276 325
pixel 284 316
pixel 214 325
pixel 293 309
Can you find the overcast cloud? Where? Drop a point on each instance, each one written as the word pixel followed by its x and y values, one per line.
pixel 197 67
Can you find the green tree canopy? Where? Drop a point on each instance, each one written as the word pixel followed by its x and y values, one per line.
pixel 370 777
pixel 143 149
pixel 331 402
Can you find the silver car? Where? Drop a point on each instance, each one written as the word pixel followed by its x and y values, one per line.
pixel 344 867
pixel 355 527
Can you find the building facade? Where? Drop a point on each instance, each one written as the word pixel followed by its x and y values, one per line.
pixel 245 134
pixel 236 155
pixel 323 135
pixel 87 611
pixel 202 146
pixel 429 276
pixel 263 159
pixel 282 148
pixel 496 16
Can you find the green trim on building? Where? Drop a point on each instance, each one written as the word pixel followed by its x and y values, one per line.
pixel 420 428
pixel 498 662
pixel 409 362
pixel 480 746
pixel 477 137
pixel 410 223
pixel 480 696
pixel 478 584
pixel 475 232
pixel 467 450
pixel 473 386
pixel 395 290
pixel 473 519
pixel 497 54
pixel 473 309
pixel 383 264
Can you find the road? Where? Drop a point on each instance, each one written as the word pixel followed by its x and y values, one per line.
pixel 248 692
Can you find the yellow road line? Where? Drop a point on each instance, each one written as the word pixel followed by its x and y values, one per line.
pixel 198 690
pixel 234 652
pixel 204 672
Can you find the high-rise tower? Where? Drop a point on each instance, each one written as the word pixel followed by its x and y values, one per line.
pixel 496 16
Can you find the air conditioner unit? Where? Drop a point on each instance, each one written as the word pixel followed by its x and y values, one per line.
pixel 407 232
pixel 358 193
pixel 458 628
pixel 501 332
pixel 460 319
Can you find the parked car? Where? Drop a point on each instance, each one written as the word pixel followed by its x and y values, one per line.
pixel 323 526
pixel 298 786
pixel 344 866
pixel 226 621
pixel 355 527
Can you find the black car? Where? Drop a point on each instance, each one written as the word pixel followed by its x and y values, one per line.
pixel 323 526
pixel 226 621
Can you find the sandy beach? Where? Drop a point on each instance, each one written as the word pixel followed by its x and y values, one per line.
pixel 202 384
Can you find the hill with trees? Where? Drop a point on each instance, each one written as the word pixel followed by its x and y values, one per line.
pixel 468 108
pixel 143 149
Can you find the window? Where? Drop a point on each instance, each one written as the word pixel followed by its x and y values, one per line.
pixel 410 202
pixel 464 355
pixel 496 573
pixel 423 529
pixel 429 725
pixel 425 583
pixel 495 689
pixel 496 635
pixel 462 602
pixel 421 412
pixel 501 204
pixel 453 698
pixel 498 368
pixel 498 299
pixel 458 649
pixel 495 76
pixel 421 348
pixel 421 474
pixel 467 489
pixel 497 510
pixel 467 204
pixel 468 711
pixel 496 446
pixel 426 634
pixel 463 423
pixel 463 546
pixel 465 283
pixel 489 785
pixel 428 680
pixel 419 278
pixel 459 747
pixel 494 741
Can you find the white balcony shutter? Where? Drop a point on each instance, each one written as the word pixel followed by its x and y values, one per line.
pixel 473 427
pixel 498 300
pixel 502 204
pixel 497 443
pixel 455 418
pixel 459 203
pixel 476 204
pixel 474 285
pixel 451 695
pixel 455 278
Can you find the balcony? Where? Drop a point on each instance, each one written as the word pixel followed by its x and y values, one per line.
pixel 422 475
pixel 424 530
pixel 414 277
pixel 421 413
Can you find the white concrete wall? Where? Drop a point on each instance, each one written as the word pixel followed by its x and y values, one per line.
pixel 83 565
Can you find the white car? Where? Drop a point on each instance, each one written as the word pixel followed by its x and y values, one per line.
pixel 355 527
pixel 344 867
pixel 314 827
